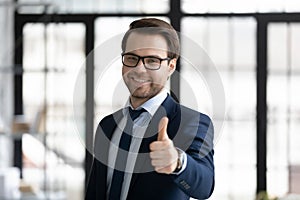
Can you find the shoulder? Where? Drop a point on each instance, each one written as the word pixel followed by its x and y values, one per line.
pixel 105 129
pixel 184 115
pixel 196 124
pixel 111 118
pixel 193 114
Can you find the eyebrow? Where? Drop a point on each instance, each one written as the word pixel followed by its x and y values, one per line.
pixel 152 55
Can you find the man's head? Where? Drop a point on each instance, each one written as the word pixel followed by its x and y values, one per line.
pixel 150 51
pixel 155 26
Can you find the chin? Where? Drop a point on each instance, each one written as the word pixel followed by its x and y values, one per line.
pixel 141 95
pixel 144 94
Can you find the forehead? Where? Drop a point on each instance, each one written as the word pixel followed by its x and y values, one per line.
pixel 142 42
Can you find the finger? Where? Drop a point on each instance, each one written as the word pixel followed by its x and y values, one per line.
pixel 158 163
pixel 162 129
pixel 162 158
pixel 156 155
pixel 161 145
pixel 165 170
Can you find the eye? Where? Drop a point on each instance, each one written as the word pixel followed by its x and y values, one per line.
pixel 152 60
pixel 131 58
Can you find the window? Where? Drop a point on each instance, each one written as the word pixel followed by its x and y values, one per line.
pixel 228 46
pixel 53 55
pixel 94 6
pixel 283 108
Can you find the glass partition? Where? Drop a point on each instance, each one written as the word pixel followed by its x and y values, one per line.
pixel 236 6
pixel 229 43
pixel 94 6
pixel 283 87
pixel 52 151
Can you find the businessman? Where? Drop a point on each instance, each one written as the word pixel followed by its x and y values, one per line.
pixel 153 148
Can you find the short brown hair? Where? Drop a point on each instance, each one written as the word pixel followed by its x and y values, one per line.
pixel 156 26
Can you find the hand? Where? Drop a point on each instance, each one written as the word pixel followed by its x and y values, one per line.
pixel 163 153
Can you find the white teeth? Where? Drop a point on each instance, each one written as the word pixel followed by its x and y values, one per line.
pixel 140 80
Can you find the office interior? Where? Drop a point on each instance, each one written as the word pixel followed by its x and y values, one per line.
pixel 52 97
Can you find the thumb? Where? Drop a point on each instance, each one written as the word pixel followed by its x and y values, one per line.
pixel 162 129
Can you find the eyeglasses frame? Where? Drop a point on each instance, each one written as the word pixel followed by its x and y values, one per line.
pixel 142 58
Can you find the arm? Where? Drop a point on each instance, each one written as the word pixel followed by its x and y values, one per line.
pixel 197 179
pixel 195 136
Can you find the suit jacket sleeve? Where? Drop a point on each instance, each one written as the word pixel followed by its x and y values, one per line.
pixel 197 180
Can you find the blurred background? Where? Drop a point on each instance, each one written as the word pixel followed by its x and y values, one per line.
pixel 44 45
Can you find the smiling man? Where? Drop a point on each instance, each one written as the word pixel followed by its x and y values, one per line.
pixel 153 148
pixel 142 71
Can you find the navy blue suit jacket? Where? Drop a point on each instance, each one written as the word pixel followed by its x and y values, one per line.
pixel 190 131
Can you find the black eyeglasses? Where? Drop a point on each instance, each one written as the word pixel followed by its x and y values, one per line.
pixel 150 62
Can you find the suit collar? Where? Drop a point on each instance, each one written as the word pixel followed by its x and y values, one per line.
pixel 151 105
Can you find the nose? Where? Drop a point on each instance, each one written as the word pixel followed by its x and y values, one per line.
pixel 140 66
pixel 140 63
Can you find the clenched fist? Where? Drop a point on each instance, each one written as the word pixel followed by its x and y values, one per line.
pixel 163 153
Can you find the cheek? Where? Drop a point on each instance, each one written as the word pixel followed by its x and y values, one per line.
pixel 160 77
pixel 125 71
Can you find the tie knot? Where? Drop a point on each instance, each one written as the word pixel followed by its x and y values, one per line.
pixel 135 113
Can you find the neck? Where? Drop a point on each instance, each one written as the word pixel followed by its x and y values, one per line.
pixel 136 102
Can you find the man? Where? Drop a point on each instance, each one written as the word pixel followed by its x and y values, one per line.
pixel 165 152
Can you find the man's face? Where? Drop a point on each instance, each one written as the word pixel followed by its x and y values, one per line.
pixel 141 82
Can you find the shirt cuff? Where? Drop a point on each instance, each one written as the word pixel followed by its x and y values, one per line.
pixel 184 162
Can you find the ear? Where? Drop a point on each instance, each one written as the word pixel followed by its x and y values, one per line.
pixel 172 66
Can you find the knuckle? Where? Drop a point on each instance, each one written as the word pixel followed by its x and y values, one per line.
pixel 151 146
pixel 152 154
pixel 152 162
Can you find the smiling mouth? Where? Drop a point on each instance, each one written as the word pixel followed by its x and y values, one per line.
pixel 137 80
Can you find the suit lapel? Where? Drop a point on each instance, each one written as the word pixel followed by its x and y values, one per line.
pixel 103 139
pixel 116 118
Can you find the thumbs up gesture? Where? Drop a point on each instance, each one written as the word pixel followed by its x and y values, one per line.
pixel 163 153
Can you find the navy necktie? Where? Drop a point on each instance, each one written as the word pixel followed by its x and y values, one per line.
pixel 121 160
pixel 135 113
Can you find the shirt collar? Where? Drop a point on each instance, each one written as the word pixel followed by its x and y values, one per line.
pixel 151 105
